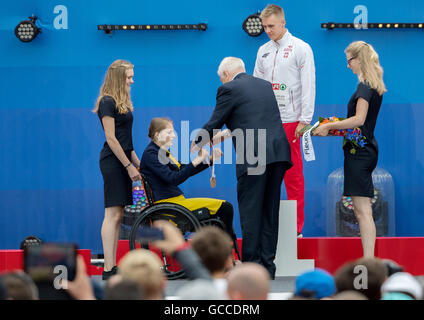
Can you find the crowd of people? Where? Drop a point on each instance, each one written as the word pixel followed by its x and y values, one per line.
pixel 213 274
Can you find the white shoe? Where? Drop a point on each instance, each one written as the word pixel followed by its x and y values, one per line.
pixel 299 235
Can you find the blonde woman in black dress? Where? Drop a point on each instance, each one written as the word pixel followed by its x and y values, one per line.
pixel 118 160
pixel 363 110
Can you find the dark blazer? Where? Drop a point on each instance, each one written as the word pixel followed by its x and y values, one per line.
pixel 249 103
pixel 165 178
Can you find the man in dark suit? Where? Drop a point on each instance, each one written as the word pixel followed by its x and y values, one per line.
pixel 247 106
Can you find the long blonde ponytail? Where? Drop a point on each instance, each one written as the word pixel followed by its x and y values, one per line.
pixel 371 72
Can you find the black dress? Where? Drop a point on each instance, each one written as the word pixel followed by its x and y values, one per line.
pixel 358 167
pixel 117 183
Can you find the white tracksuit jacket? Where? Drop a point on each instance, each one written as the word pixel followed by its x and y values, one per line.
pixel 289 65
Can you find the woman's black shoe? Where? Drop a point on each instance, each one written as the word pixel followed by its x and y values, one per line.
pixel 107 274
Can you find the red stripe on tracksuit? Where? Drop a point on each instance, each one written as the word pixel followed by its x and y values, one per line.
pixel 293 179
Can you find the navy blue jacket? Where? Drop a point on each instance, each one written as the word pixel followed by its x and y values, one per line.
pixel 165 178
pixel 249 103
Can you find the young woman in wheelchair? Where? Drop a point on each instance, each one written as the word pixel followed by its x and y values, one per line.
pixel 164 173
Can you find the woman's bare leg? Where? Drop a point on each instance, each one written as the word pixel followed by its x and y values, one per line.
pixel 117 229
pixel 363 213
pixel 110 234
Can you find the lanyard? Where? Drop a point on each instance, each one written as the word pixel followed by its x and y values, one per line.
pixel 212 179
pixel 175 161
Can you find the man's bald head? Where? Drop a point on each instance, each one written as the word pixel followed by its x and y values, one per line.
pixel 248 281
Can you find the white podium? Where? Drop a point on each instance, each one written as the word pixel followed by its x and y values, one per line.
pixel 286 262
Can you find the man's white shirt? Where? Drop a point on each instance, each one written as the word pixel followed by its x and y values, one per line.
pixel 289 65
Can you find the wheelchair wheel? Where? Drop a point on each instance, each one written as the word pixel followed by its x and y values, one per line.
pixel 179 216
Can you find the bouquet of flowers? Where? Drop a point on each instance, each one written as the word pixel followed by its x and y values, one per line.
pixel 354 136
pixel 334 132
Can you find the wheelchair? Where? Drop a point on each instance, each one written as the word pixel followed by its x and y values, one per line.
pixel 145 212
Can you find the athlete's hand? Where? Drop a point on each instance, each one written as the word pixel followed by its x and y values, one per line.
pixel 194 147
pixel 299 127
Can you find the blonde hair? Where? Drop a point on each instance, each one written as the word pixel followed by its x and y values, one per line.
pixel 157 125
pixel 270 10
pixel 144 268
pixel 371 72
pixel 114 85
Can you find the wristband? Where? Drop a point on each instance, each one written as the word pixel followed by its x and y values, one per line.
pixel 127 165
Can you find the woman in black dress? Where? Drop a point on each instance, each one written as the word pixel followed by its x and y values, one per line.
pixel 363 110
pixel 118 160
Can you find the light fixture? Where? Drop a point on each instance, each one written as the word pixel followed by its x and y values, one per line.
pixel 108 28
pixel 374 25
pixel 27 30
pixel 253 25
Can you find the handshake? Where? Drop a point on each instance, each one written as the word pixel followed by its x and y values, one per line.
pixel 204 157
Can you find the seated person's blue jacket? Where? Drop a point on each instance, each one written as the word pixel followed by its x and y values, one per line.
pixel 165 178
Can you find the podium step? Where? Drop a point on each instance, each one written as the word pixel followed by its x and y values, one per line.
pixel 331 253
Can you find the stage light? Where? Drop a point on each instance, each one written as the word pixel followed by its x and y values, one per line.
pixel 27 30
pixel 108 28
pixel 253 25
pixel 375 25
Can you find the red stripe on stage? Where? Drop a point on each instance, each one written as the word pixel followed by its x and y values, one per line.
pixel 331 253
pixel 11 260
pixel 328 253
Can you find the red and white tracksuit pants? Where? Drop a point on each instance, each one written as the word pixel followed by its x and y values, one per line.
pixel 293 179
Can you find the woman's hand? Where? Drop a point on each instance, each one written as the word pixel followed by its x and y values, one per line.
pixel 193 147
pixel 133 173
pixel 216 154
pixel 201 156
pixel 321 130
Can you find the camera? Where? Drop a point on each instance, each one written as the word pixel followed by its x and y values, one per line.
pixel 146 234
pixel 46 261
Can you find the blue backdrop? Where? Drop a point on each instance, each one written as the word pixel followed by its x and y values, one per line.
pixel 50 183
